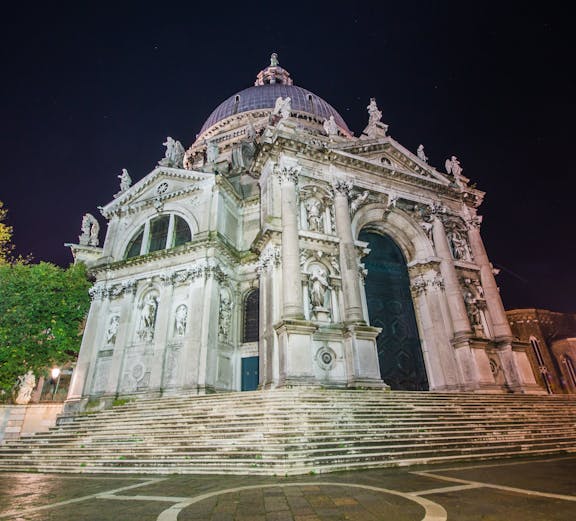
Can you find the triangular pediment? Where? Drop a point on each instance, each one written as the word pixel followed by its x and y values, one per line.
pixel 391 155
pixel 160 185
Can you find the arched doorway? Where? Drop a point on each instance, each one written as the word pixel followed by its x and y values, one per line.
pixel 390 307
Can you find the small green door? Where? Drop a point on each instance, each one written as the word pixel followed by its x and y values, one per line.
pixel 250 373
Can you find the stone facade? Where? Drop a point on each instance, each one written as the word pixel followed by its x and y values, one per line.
pixel 272 197
pixel 550 340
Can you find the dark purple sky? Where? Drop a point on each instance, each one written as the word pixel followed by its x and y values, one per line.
pixel 87 91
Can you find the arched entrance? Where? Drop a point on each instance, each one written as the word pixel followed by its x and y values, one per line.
pixel 390 307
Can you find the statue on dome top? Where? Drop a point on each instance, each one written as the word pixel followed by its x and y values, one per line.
pixel 274 60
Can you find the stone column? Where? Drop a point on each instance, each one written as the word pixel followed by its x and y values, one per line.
pixel 88 352
pixel 291 279
pixel 493 301
pixel 459 315
pixel 502 332
pixel 348 257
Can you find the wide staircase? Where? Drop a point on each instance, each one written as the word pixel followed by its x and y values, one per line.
pixel 297 431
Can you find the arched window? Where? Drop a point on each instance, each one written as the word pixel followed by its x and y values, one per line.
pixel 251 316
pixel 541 365
pixel 571 370
pixel 159 233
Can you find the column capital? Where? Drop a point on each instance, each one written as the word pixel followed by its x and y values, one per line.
pixel 342 187
pixel 287 173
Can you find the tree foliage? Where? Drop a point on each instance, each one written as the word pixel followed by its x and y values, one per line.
pixel 42 307
pixel 5 236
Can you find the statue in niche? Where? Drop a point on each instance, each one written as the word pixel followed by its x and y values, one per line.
pixel 26 384
pixel 90 230
pixel 420 153
pixel 148 318
pixel 473 309
pixel 212 151
pixel 174 155
pixel 330 127
pixel 225 316
pixel 318 287
pixel 282 107
pixel 453 166
pixel 458 245
pixel 112 330
pixel 180 320
pixel 314 214
pixel 125 180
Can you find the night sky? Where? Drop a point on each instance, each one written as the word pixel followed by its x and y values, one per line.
pixel 87 91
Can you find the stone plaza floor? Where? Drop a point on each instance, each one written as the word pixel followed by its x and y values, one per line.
pixel 541 489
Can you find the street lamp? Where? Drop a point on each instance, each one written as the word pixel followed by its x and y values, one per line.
pixel 55 380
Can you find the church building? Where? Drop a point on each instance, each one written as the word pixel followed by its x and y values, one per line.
pixel 278 250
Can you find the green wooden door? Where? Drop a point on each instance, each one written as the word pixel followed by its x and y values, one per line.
pixel 390 307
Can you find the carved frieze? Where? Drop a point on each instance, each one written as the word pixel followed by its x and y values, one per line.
pixel 269 258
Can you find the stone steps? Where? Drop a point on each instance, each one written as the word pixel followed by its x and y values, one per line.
pixel 294 431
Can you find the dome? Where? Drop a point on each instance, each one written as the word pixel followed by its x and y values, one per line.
pixel 271 83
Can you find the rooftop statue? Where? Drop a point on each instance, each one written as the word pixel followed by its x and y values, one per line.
pixel 282 107
pixel 274 60
pixel 330 126
pixel 125 180
pixel 174 155
pixel 420 153
pixel 90 230
pixel 376 128
pixel 453 166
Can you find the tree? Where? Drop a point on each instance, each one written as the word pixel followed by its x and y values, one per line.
pixel 5 236
pixel 42 307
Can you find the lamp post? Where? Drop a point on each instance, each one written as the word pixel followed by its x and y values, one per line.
pixel 55 380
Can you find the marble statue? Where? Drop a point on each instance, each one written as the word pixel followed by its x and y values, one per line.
pixel 420 153
pixel 212 151
pixel 376 128
pixel 330 127
pixel 318 287
pixel 358 201
pixel 374 114
pixel 125 180
pixel 473 309
pixel 90 230
pixel 453 166
pixel 112 330
pixel 26 383
pixel 180 320
pixel 458 245
pixel 225 316
pixel 282 107
pixel 174 155
pixel 314 214
pixel 148 318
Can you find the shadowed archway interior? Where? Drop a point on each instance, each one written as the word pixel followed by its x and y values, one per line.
pixel 390 308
